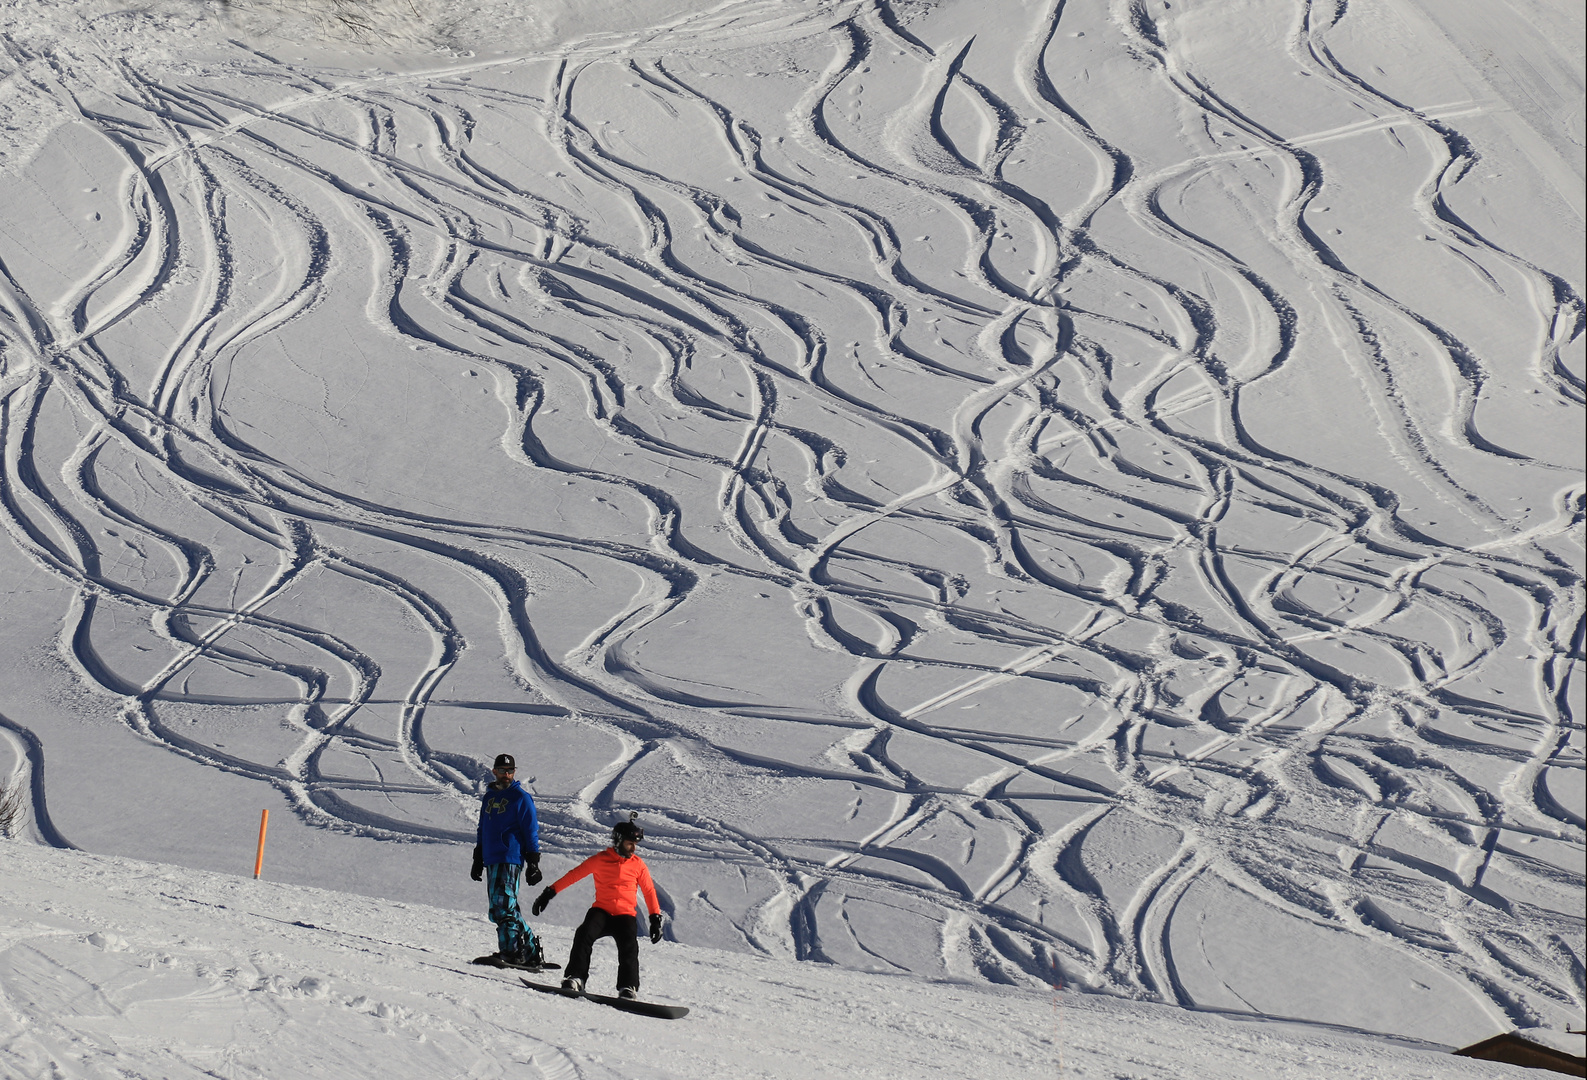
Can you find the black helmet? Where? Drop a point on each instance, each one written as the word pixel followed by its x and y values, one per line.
pixel 627 830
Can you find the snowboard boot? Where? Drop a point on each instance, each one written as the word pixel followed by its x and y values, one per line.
pixel 628 993
pixel 575 985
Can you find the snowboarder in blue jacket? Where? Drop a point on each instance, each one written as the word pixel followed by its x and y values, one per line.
pixel 508 842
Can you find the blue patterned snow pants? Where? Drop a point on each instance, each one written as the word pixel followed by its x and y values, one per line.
pixel 512 936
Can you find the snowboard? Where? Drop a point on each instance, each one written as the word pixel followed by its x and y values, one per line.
pixel 643 1008
pixel 495 960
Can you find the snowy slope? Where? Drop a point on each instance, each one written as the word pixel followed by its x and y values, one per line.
pixel 1026 493
pixel 114 968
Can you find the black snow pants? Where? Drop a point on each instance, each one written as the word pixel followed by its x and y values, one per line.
pixel 624 929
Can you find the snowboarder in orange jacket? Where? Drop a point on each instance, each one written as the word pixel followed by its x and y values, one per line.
pixel 619 874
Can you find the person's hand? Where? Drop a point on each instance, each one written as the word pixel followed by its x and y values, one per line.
pixel 545 897
pixel 478 870
pixel 655 929
pixel 531 869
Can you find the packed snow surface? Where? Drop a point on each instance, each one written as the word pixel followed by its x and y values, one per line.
pixel 1016 494
pixel 113 968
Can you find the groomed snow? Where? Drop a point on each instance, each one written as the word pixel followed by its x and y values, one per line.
pixel 1014 493
pixel 115 968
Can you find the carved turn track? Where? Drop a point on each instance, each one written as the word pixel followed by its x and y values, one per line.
pixel 1057 493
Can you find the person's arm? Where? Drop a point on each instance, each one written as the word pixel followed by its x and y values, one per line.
pixel 527 830
pixel 582 870
pixel 648 887
pixel 532 832
pixel 578 873
pixel 532 874
pixel 477 870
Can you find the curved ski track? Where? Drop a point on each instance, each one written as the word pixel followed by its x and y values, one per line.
pixel 940 366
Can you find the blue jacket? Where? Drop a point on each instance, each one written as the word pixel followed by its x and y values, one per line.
pixel 508 826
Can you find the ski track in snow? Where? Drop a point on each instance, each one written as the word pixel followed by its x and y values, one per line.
pixel 902 498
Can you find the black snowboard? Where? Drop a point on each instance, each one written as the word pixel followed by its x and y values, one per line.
pixel 495 960
pixel 643 1008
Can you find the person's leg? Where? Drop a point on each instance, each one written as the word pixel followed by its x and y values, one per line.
pixel 625 931
pixel 502 881
pixel 533 947
pixel 590 930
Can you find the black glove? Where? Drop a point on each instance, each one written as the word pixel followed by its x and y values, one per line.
pixel 545 897
pixel 531 869
pixel 479 864
pixel 655 929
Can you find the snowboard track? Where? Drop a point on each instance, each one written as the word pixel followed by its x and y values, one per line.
pixel 1192 646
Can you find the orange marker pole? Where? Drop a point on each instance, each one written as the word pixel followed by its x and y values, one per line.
pixel 258 861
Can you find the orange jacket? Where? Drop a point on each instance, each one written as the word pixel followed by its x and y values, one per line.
pixel 615 881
